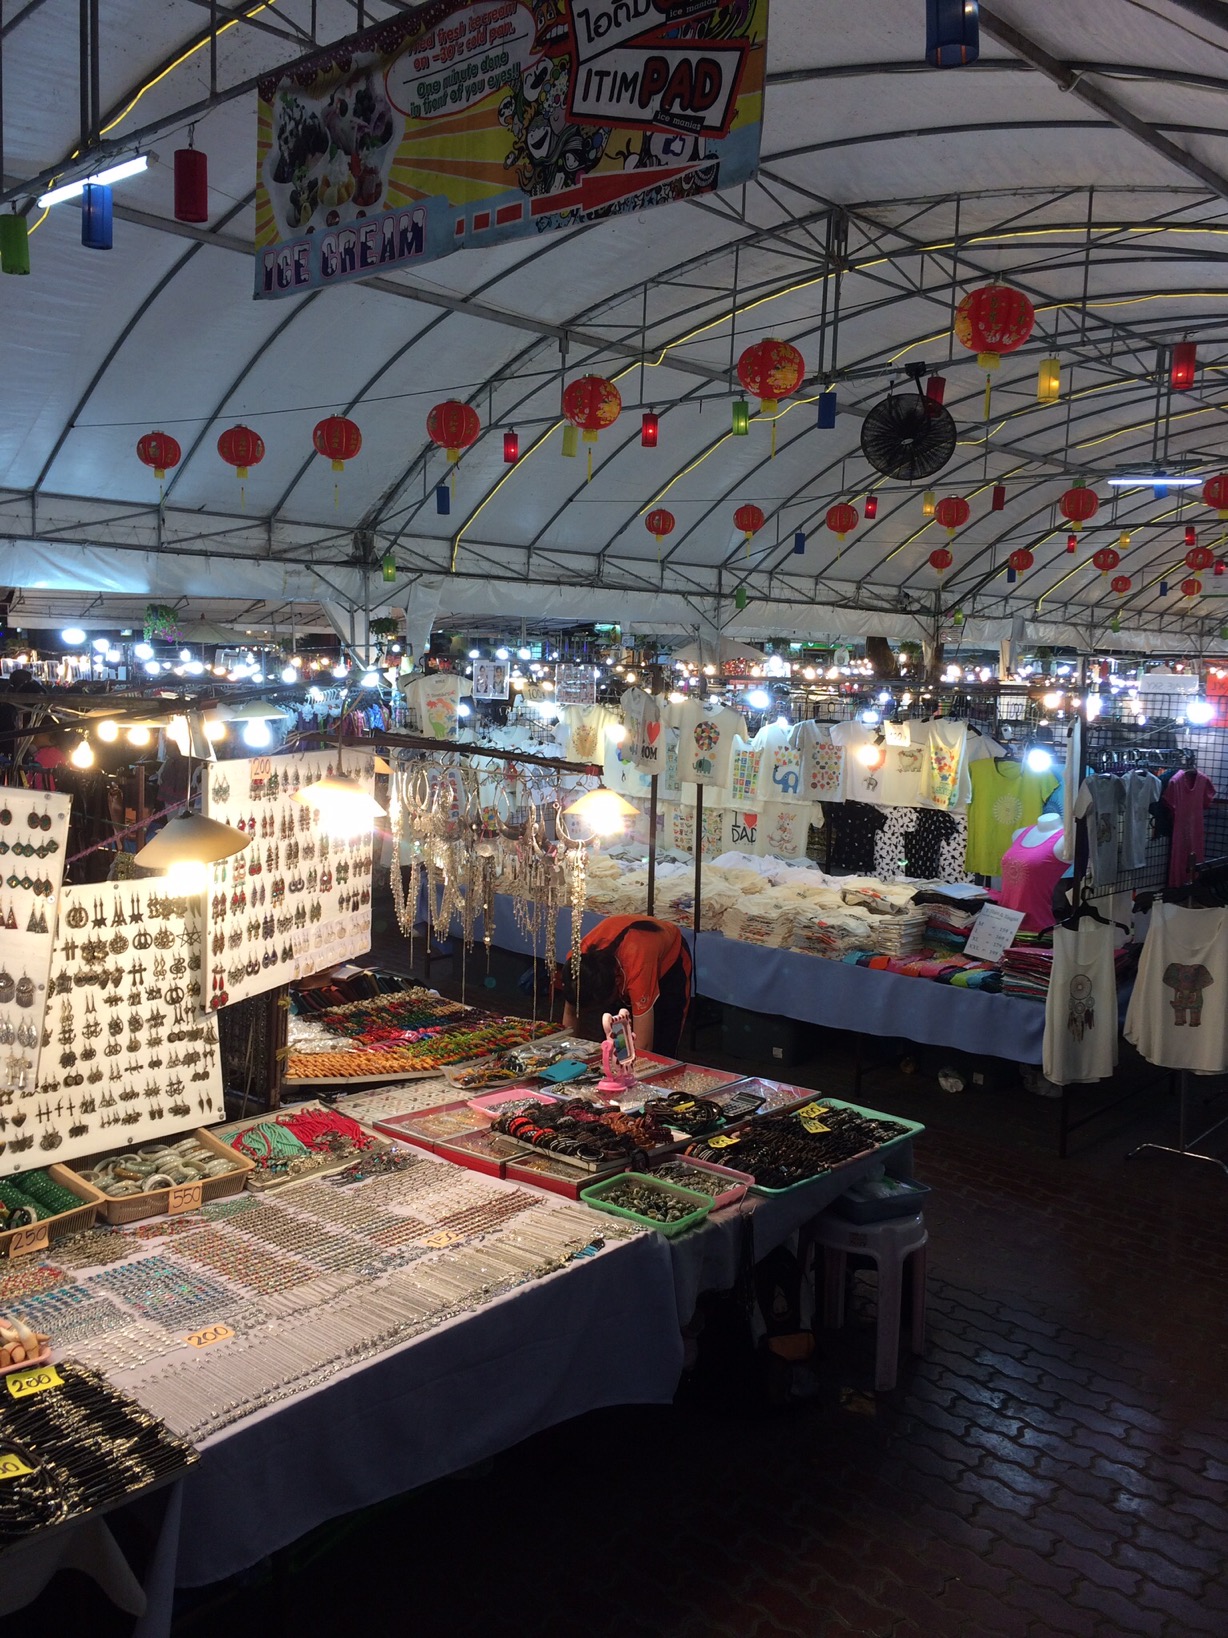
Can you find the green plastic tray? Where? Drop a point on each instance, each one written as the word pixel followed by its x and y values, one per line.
pixel 592 1196
pixel 912 1129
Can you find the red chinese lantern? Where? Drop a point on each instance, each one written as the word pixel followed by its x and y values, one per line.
pixel 1021 560
pixel 1078 505
pixel 1184 365
pixel 338 438
pixel 842 519
pixel 997 499
pixel 870 508
pixel 659 523
pixel 941 559
pixel 1106 558
pixel 1072 543
pixel 1191 587
pixel 592 403
pixel 952 512
pixel 749 519
pixel 453 426
pixel 1191 535
pixel 993 320
pixel 1199 557
pixel 771 370
pixel 159 450
pixel 241 448
pixel 191 184
pixel 1215 493
pixel 1121 584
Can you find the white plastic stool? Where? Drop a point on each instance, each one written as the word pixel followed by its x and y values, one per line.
pixel 890 1244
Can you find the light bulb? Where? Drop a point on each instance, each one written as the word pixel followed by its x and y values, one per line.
pixel 501 654
pixel 340 671
pixel 871 755
pixel 143 651
pixel 475 653
pixel 289 674
pixel 617 734
pixel 1039 759
pixel 82 754
pixel 604 811
pixel 1199 712
pixel 139 735
pixel 101 644
pixel 152 668
pixel 256 733
pixel 185 654
pixel 370 679
pixel 73 636
pixel 215 729
pixel 1051 701
pixel 107 731
pixel 524 653
pixel 758 699
pixel 187 876
pixel 464 710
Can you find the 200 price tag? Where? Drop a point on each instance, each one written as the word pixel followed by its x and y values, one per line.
pixel 183 1197
pixel 207 1335
pixel 24 1383
pixel 12 1466
pixel 26 1240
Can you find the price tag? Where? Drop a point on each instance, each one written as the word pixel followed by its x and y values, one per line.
pixel 813 1110
pixel 722 1140
pixel 684 1103
pixel 445 1237
pixel 23 1383
pixel 210 1333
pixel 812 1123
pixel 184 1197
pixel 26 1240
pixel 12 1466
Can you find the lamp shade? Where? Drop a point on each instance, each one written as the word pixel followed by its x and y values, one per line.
pixel 603 810
pixel 256 711
pixel 952 33
pixel 191 839
pixel 346 807
pixel 96 216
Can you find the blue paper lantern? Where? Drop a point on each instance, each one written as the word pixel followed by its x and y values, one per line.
pixel 96 216
pixel 826 418
pixel 1011 577
pixel 1164 588
pixel 443 499
pixel 799 544
pixel 952 33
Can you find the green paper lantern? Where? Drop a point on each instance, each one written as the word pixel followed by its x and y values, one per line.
pixel 740 598
pixel 14 244
pixel 389 567
pixel 957 617
pixel 741 418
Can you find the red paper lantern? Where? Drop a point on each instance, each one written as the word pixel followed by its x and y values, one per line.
pixel 159 450
pixel 591 403
pixel 771 370
pixel 1072 543
pixel 1184 365
pixel 1106 558
pixel 935 388
pixel 650 429
pixel 241 448
pixel 941 559
pixel 749 519
pixel 1078 504
pixel 338 438
pixel 511 446
pixel 1021 560
pixel 870 508
pixel 1199 557
pixel 997 499
pixel 1191 587
pixel 1191 535
pixel 1215 493
pixel 993 320
pixel 1121 584
pixel 842 519
pixel 952 512
pixel 660 523
pixel 453 426
pixel 191 185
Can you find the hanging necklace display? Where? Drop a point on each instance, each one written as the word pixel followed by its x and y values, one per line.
pixel 28 918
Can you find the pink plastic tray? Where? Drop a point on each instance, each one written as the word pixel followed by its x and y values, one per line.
pixel 490 1103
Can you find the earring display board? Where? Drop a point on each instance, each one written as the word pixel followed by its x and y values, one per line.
pixel 129 1056
pixel 299 898
pixel 575 685
pixel 33 844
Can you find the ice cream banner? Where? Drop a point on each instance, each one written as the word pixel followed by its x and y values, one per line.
pixel 469 122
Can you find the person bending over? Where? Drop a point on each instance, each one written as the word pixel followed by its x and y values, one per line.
pixel 639 963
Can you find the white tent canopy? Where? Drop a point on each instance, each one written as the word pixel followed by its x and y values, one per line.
pixel 1083 158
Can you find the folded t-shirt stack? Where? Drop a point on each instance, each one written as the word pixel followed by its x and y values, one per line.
pixel 946 927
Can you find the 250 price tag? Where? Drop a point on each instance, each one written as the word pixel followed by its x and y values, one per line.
pixel 26 1240
pixel 23 1383
pixel 183 1197
pixel 208 1334
pixel 445 1237
pixel 12 1466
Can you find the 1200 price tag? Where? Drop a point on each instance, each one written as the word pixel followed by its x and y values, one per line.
pixel 210 1333
pixel 183 1197
pixel 12 1466
pixel 23 1383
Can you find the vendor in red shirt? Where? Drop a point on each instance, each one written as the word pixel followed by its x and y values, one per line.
pixel 639 963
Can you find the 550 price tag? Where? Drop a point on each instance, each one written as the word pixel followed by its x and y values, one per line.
pixel 183 1197
pixel 23 1383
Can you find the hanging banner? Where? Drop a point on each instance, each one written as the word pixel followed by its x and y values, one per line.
pixel 469 122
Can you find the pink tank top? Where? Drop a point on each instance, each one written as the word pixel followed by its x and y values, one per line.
pixel 1029 875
